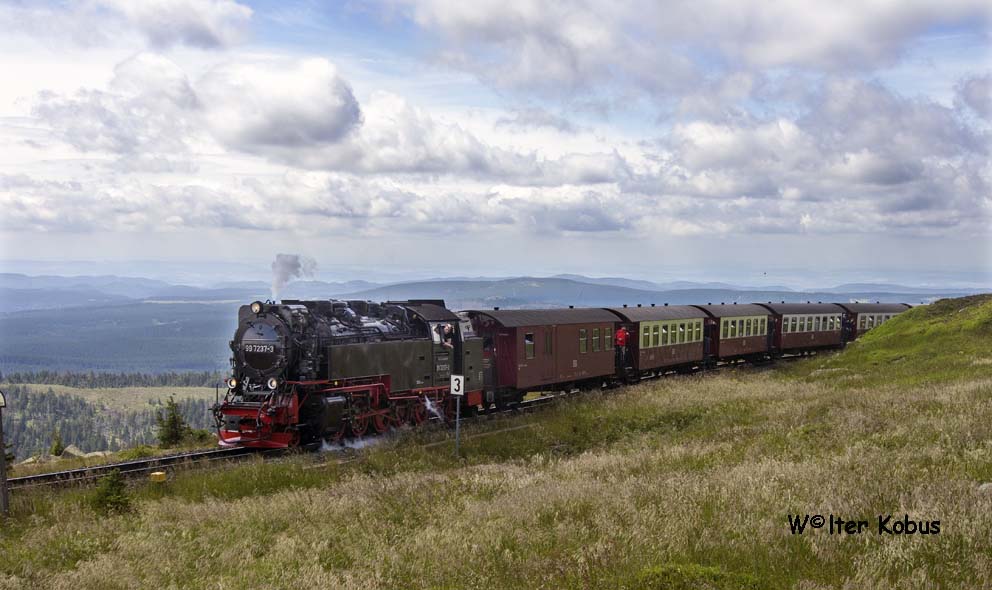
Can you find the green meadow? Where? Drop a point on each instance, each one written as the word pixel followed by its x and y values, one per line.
pixel 684 482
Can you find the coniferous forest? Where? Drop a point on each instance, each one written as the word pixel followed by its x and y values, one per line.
pixel 101 379
pixel 33 417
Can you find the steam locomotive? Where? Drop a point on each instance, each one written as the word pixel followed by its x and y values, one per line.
pixel 304 372
pixel 307 371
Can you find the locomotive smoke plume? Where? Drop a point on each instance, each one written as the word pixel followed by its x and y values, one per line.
pixel 290 266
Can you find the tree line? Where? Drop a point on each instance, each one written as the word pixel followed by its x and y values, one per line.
pixel 34 419
pixel 92 380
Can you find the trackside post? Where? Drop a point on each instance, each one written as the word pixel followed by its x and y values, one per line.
pixel 4 494
pixel 458 390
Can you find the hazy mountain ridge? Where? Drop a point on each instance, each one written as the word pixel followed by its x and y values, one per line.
pixel 182 328
pixel 556 292
pixel 20 292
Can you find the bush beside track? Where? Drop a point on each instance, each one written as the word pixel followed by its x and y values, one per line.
pixel 680 482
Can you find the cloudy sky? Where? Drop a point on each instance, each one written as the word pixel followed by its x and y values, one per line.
pixel 783 141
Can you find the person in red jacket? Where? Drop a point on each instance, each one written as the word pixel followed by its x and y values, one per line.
pixel 621 345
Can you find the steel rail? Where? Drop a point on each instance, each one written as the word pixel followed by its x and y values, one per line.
pixel 84 474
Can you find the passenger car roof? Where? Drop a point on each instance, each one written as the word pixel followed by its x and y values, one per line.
pixel 733 310
pixel 875 307
pixel 791 308
pixel 649 314
pixel 513 318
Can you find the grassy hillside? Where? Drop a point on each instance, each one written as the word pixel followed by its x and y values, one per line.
pixel 679 483
pixel 946 341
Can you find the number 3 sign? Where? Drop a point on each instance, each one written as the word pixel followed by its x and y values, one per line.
pixel 458 385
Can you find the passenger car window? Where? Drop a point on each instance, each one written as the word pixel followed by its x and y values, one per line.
pixel 583 341
pixel 529 345
pixel 657 336
pixel 595 339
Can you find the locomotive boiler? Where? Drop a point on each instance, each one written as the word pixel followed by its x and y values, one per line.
pixel 308 371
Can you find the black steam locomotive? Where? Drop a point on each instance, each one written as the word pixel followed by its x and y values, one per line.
pixel 306 371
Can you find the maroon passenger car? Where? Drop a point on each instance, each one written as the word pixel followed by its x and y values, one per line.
pixel 545 349
pixel 664 337
pixel 736 331
pixel 865 316
pixel 800 327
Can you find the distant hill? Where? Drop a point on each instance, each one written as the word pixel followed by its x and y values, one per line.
pixel 133 337
pixel 301 289
pixel 70 323
pixel 556 292
pixel 132 287
pixel 27 299
pixel 665 286
pixel 882 287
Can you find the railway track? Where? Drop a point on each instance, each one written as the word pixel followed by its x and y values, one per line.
pixel 133 468
pixel 140 467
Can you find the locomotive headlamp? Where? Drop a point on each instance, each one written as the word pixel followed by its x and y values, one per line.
pixel 232 382
pixel 256 307
pixel 272 383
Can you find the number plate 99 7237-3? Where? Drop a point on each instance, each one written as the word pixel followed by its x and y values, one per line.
pixel 259 348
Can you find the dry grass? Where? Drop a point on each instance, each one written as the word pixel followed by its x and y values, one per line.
pixel 679 483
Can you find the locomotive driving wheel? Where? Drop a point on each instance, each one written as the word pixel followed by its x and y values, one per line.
pixel 418 413
pixel 380 422
pixel 401 414
pixel 359 425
